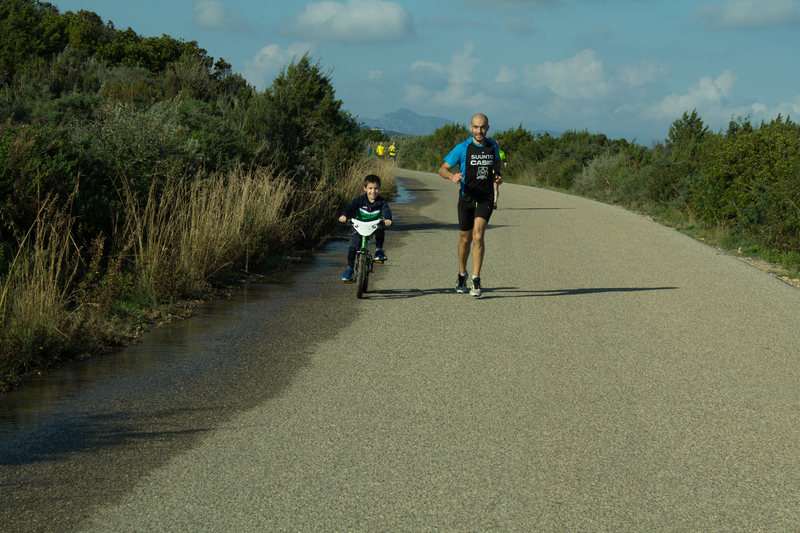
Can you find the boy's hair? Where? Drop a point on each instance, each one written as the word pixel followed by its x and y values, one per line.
pixel 372 178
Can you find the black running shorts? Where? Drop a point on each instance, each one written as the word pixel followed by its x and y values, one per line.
pixel 469 211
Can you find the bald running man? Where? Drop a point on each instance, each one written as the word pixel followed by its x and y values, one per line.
pixel 479 167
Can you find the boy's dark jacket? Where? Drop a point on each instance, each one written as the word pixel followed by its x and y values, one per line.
pixel 361 209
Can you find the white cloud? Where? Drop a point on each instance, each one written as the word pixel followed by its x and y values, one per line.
pixel 461 86
pixel 428 64
pixel 459 91
pixel 748 13
pixel 442 20
pixel 643 73
pixel 506 75
pixel 213 15
pixel 603 33
pixel 517 24
pixel 416 94
pixel 267 63
pixel 708 96
pixel 714 101
pixel 375 75
pixel 462 65
pixel 584 77
pixel 355 21
pixel 515 6
pixel 580 77
pixel 790 109
pixel 759 112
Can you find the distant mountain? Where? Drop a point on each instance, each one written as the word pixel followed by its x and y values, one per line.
pixel 406 122
pixel 552 133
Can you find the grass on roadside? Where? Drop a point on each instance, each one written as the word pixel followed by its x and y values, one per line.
pixel 60 302
pixel 36 293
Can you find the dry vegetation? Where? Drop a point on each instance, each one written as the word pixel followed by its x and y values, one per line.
pixel 55 304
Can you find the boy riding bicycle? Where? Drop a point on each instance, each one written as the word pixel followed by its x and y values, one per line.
pixel 369 206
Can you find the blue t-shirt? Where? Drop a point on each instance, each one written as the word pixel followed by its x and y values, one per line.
pixel 478 165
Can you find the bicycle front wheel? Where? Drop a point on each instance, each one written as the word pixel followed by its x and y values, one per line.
pixel 361 268
pixel 367 269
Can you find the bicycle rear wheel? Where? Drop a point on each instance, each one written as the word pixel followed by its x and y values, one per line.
pixel 361 267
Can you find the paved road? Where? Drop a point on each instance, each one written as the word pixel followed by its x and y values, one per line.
pixel 616 376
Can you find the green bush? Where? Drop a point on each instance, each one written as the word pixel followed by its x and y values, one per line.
pixel 35 162
pixel 428 153
pixel 603 174
pixel 139 144
pixel 558 172
pixel 752 179
pixel 669 181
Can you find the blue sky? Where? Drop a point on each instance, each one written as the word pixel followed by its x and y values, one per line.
pixel 625 68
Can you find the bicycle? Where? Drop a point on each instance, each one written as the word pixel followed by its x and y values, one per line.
pixel 364 261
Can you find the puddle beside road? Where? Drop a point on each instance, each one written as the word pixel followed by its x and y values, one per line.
pixel 165 350
pixel 173 349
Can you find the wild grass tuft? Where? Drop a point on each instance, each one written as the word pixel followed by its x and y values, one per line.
pixel 186 232
pixel 37 292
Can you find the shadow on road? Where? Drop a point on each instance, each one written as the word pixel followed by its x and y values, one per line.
pixel 434 226
pixel 516 292
pixel 90 433
pixel 405 293
pixel 537 209
pixel 402 227
pixel 509 292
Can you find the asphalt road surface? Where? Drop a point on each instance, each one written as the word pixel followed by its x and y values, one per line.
pixel 615 376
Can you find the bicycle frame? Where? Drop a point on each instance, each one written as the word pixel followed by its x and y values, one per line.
pixel 364 262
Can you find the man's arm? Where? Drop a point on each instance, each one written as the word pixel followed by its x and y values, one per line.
pixel 498 166
pixel 498 178
pixel 444 171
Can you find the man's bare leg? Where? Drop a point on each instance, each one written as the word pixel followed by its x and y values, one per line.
pixel 463 250
pixel 478 247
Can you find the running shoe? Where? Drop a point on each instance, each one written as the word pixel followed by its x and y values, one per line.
pixel 461 284
pixel 476 287
pixel 347 277
pixel 380 257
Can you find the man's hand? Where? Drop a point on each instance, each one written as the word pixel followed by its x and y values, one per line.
pixel 387 222
pixel 342 219
pixel 444 171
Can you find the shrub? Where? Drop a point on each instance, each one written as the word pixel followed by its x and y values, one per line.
pixel 557 172
pixel 600 174
pixel 669 181
pixel 35 163
pixel 189 77
pixel 752 179
pixel 136 143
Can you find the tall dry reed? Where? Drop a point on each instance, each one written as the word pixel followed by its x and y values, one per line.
pixel 171 243
pixel 188 231
pixel 233 218
pixel 351 184
pixel 37 291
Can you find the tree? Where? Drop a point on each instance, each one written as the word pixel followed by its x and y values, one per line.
pixel 86 31
pixel 29 29
pixel 686 136
pixel 300 122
